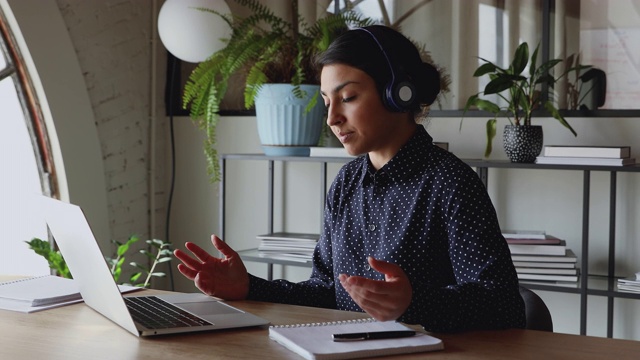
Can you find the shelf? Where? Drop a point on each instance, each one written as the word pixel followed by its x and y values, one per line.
pixel 506 164
pixel 586 286
pixel 318 159
pixel 597 285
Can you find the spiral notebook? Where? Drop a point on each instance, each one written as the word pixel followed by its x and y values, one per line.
pixel 40 290
pixel 43 292
pixel 314 340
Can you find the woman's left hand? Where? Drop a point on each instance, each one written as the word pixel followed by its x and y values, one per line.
pixel 383 300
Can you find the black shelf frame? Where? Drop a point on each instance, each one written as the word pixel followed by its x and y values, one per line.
pixel 482 168
pixel 249 254
pixel 589 285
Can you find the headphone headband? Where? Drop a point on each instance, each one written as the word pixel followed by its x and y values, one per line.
pixel 399 94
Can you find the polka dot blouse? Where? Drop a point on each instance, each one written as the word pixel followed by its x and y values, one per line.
pixel 427 212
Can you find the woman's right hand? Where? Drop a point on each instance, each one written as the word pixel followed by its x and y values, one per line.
pixel 225 278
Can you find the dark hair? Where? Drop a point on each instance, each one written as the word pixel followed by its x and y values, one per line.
pixel 359 49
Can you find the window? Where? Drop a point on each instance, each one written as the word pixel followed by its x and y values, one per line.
pixel 25 163
pixel 601 33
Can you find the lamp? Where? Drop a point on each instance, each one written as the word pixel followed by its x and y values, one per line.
pixel 190 34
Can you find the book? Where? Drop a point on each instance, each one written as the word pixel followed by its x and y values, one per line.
pixel 287 246
pixel 524 234
pixel 568 257
pixel 314 341
pixel 288 236
pixel 566 284
pixel 549 240
pixel 539 249
pixel 588 151
pixel 632 288
pixel 548 277
pixel 329 151
pixel 40 290
pixel 563 160
pixel 541 264
pixel 546 270
pixel 43 292
pixel 631 283
pixel 297 257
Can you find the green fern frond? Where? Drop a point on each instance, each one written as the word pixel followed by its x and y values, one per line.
pixel 269 49
pixel 254 82
pixel 261 14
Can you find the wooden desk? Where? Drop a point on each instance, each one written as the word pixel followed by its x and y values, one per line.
pixel 78 332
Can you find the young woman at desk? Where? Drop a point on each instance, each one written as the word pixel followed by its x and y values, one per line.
pixel 410 233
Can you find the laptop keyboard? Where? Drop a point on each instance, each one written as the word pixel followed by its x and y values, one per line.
pixel 154 313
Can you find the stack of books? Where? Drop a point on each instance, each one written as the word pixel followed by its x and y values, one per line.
pixel 630 284
pixel 539 256
pixel 287 246
pixel 586 155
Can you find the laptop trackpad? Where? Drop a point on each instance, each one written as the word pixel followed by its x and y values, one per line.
pixel 208 308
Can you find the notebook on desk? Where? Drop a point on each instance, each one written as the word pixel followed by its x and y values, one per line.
pixel 136 314
pixel 315 341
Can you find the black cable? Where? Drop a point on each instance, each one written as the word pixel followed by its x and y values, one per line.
pixel 171 69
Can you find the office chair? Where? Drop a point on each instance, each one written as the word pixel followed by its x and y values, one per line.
pixel 537 313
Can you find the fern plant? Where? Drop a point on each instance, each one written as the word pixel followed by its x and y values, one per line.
pixel 267 49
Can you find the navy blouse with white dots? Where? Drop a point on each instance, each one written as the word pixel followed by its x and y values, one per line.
pixel 429 213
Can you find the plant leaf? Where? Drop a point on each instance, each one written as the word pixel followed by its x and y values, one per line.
pixel 534 59
pixel 485 68
pixel 556 115
pixel 487 105
pixel 491 133
pixel 498 84
pixel 520 58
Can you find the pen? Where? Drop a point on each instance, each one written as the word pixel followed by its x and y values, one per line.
pixel 373 335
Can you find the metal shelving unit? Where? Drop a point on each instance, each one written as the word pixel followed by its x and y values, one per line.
pixel 588 284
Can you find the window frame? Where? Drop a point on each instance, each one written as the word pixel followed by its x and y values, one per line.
pixel 33 116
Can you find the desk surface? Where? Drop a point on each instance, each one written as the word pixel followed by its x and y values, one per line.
pixel 78 332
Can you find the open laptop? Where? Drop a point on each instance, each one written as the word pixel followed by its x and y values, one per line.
pixel 136 314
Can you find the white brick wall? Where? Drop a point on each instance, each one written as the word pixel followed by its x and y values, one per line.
pixel 113 42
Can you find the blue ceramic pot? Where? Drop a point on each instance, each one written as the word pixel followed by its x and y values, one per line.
pixel 284 127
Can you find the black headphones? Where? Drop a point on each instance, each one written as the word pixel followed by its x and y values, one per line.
pixel 400 93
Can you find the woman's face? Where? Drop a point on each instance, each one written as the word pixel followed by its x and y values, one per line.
pixel 356 114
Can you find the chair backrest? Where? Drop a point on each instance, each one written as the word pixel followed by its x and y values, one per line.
pixel 537 312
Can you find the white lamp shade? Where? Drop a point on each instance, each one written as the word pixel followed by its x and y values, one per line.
pixel 190 34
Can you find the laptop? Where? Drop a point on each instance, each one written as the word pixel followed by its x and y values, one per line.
pixel 187 312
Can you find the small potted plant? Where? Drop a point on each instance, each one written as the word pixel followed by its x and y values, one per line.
pixel 522 141
pixel 266 49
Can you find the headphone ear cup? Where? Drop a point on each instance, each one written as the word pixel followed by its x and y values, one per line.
pixel 399 96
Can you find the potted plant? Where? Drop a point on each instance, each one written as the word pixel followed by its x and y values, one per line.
pixel 266 49
pixel 522 141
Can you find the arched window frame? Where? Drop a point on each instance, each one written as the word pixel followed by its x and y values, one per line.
pixel 33 117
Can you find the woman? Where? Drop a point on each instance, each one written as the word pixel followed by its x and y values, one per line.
pixel 410 233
